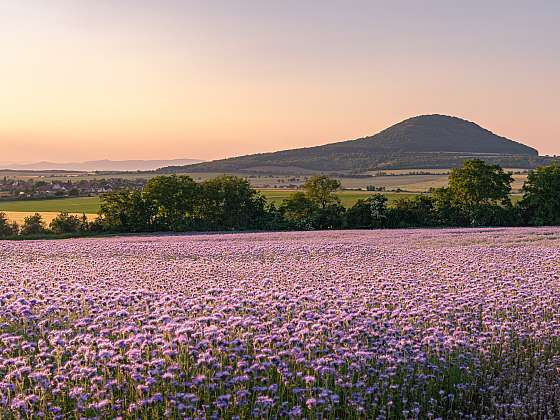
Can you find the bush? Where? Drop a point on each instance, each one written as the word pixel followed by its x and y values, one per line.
pixel 413 212
pixel 7 228
pixel 369 213
pixel 66 223
pixel 126 211
pixel 229 203
pixel 33 225
pixel 541 199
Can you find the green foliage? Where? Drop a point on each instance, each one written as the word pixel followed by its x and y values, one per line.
pixel 494 215
pixel 447 213
pixel 33 225
pixel 229 202
pixel 414 212
pixel 478 195
pixel 7 229
pixel 126 211
pixel 297 211
pixel 541 196
pixel 316 208
pixel 66 223
pixel 477 183
pixel 329 217
pixel 177 203
pixel 369 213
pixel 320 190
pixel 174 198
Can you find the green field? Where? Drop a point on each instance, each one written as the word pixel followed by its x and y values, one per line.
pixel 70 205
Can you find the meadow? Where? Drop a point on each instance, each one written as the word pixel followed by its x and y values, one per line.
pixel 457 323
pixel 70 205
pixel 18 210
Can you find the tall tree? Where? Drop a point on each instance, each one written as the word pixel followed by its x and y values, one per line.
pixel 541 196
pixel 320 189
pixel 126 211
pixel 481 193
pixel 229 202
pixel 174 198
pixel 477 183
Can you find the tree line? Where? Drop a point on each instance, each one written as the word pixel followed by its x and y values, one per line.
pixel 478 194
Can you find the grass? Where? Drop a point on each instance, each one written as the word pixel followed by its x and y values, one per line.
pixel 70 205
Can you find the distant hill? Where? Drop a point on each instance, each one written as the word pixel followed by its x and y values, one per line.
pixel 427 141
pixel 101 165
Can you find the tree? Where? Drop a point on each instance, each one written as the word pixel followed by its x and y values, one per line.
pixel 477 183
pixel 413 212
pixel 6 228
pixel 368 213
pixel 329 217
pixel 229 202
pixel 126 211
pixel 320 189
pixel 301 212
pixel 540 204
pixel 446 211
pixel 316 208
pixel 174 198
pixel 65 223
pixel 298 211
pixel 478 189
pixel 33 225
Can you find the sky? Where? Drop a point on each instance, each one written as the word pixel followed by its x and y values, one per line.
pixel 163 79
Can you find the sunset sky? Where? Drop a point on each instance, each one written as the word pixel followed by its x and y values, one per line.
pixel 163 79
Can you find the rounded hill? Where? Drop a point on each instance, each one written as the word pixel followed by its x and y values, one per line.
pixel 442 133
pixel 426 141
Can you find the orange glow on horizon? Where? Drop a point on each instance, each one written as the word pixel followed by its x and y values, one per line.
pixel 83 83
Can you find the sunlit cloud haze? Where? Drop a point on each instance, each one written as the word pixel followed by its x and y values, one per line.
pixel 161 79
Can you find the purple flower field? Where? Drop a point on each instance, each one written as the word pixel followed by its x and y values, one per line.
pixel 350 324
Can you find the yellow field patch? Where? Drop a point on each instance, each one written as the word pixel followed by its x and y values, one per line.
pixel 19 216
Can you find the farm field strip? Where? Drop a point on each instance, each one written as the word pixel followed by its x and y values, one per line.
pixel 71 205
pixel 456 323
pixel 48 216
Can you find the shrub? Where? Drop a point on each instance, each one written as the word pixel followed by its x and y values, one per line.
pixel 33 225
pixel 7 228
pixel 66 223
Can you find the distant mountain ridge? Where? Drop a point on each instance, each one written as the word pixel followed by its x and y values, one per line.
pixel 101 165
pixel 426 141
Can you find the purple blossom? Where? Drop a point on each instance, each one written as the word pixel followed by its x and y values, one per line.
pixel 456 323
